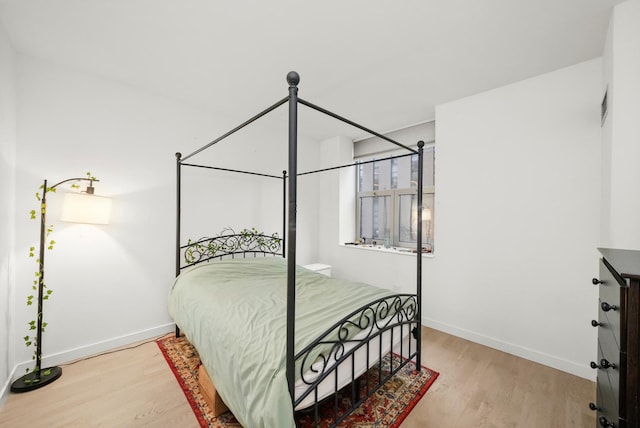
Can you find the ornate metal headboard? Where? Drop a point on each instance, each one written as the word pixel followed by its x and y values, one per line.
pixel 230 244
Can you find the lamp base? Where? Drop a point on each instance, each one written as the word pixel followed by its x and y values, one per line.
pixel 30 381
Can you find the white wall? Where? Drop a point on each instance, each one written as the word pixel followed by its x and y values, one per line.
pixel 110 282
pixel 7 207
pixel 518 176
pixel 517 194
pixel 621 129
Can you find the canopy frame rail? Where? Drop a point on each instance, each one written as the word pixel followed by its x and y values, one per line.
pixel 239 127
pixel 233 170
pixel 349 165
pixel 354 124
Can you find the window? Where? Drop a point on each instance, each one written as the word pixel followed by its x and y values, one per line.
pixel 387 200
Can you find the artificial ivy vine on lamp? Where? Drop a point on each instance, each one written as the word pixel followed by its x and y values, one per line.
pixel 83 207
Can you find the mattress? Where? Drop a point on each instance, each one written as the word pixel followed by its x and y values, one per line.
pixel 234 313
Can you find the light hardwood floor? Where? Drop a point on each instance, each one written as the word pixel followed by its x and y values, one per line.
pixel 477 387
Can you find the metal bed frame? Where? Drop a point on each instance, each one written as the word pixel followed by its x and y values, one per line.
pixel 371 318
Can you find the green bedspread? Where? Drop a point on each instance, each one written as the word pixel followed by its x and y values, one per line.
pixel 234 312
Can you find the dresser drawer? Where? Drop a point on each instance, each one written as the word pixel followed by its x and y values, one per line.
pixel 609 285
pixel 609 323
pixel 610 291
pixel 609 378
pixel 606 406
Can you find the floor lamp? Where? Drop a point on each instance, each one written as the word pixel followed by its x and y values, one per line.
pixel 83 207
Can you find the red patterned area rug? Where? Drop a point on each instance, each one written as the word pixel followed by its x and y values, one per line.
pixel 388 407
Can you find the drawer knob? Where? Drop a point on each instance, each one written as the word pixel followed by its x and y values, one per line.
pixel 596 281
pixel 605 423
pixel 594 407
pixel 607 307
pixel 604 364
pixel 595 323
pixel 594 365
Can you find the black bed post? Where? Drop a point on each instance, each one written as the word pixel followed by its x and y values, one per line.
pixel 419 260
pixel 178 186
pixel 284 212
pixel 293 79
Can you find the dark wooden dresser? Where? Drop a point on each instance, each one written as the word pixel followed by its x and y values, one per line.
pixel 618 365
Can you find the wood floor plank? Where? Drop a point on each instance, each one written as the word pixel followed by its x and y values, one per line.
pixel 477 387
pixel 482 387
pixel 128 388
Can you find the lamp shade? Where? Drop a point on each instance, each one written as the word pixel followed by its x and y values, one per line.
pixel 84 208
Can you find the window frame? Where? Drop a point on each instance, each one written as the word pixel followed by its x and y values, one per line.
pixel 394 221
pixel 428 193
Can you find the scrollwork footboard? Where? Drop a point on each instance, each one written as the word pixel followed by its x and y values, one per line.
pixel 353 345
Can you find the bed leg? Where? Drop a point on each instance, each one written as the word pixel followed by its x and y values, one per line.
pixel 177 331
pixel 357 382
pixel 210 393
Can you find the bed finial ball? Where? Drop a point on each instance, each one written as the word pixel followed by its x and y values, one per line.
pixel 420 144
pixel 178 155
pixel 293 78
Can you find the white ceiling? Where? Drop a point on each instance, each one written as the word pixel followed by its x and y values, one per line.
pixel 384 64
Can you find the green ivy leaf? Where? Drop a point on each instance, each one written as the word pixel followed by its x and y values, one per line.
pixel 47 372
pixel 45 297
pixel 49 292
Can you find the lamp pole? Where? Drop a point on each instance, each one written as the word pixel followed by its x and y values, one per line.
pixel 40 377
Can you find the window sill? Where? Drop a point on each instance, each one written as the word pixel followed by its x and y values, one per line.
pixel 383 249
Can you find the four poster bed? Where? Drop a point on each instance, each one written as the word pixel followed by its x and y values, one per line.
pixel 276 338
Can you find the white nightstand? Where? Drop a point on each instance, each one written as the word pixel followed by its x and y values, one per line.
pixel 320 268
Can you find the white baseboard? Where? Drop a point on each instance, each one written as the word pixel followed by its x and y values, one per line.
pixel 571 367
pixel 106 345
pixel 4 392
pixel 89 350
